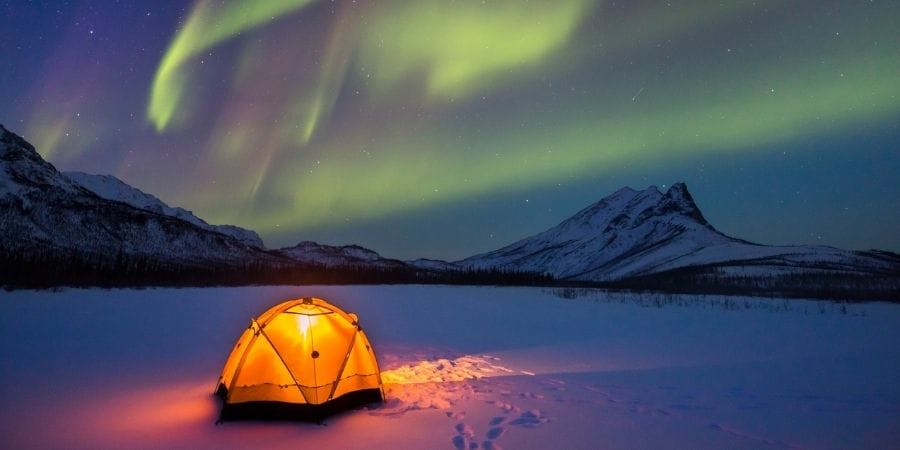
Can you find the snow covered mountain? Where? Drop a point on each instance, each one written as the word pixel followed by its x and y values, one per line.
pixel 433 264
pixel 81 228
pixel 638 233
pixel 46 215
pixel 112 188
pixel 309 252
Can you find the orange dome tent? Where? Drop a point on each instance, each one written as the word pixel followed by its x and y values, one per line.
pixel 303 358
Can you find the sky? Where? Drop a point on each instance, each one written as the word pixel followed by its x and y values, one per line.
pixel 443 129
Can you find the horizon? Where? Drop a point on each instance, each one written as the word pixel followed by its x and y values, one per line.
pixel 371 129
pixel 652 188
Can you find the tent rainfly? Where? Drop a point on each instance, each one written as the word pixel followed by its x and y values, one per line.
pixel 301 359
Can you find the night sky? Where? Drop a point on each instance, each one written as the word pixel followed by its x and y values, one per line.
pixel 443 129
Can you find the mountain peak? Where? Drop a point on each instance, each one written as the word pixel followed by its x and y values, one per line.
pixel 637 233
pixel 628 208
pixel 680 192
pixel 678 198
pixel 22 168
pixel 627 190
pixel 608 238
pixel 14 147
pixel 49 214
pixel 679 186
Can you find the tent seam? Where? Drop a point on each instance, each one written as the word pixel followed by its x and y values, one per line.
pixel 240 366
pixel 338 379
pixel 284 363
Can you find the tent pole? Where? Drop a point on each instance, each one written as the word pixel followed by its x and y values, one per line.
pixel 285 364
pixel 237 370
pixel 343 364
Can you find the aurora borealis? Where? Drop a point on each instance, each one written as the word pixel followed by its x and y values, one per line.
pixel 442 129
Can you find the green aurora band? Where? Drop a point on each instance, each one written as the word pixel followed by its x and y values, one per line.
pixel 206 27
pixel 433 61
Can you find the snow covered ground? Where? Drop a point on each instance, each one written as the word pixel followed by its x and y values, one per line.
pixel 465 367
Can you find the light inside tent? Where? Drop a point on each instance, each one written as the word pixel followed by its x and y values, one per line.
pixel 303 324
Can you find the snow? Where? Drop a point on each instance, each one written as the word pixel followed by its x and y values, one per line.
pixel 433 264
pixel 23 170
pixel 112 188
pixel 7 185
pixel 51 212
pixel 633 233
pixel 627 233
pixel 335 256
pixel 463 366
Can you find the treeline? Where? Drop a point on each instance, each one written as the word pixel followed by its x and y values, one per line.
pixel 814 284
pixel 53 268
pixel 48 268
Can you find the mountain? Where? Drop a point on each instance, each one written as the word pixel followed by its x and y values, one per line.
pixel 112 188
pixel 308 252
pixel 632 234
pixel 48 216
pixel 433 264
pixel 82 229
pixel 76 228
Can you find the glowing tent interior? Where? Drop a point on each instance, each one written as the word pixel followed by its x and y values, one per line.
pixel 301 359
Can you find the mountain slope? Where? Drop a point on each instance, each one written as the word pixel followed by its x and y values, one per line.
pixel 638 233
pixel 112 188
pixel 45 213
pixel 52 218
pixel 433 264
pixel 308 252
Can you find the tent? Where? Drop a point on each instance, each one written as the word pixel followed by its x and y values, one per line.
pixel 304 358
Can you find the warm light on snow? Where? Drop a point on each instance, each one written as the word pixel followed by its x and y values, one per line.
pixel 157 410
pixel 469 367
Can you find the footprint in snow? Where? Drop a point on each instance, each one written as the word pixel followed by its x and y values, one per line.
pixel 495 433
pixel 505 407
pixel 464 438
pixel 497 425
pixel 465 430
pixel 530 419
pixel 461 443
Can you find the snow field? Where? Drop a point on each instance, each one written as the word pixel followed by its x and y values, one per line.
pixel 464 368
